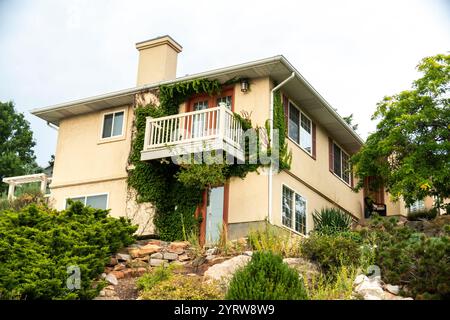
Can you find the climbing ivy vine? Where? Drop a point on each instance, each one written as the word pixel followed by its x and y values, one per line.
pixel 279 122
pixel 176 190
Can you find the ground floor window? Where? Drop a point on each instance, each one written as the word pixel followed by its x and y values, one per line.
pixel 98 201
pixel 293 210
pixel 419 205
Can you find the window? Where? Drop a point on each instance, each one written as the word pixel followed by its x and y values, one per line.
pixel 99 201
pixel 340 163
pixel 226 99
pixel 201 123
pixel 300 128
pixel 113 124
pixel 202 102
pixel 198 126
pixel 293 210
pixel 419 205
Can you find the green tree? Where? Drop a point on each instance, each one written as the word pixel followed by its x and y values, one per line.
pixel 349 120
pixel 409 153
pixel 16 143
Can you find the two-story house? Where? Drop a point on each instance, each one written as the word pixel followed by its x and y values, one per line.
pixel 95 135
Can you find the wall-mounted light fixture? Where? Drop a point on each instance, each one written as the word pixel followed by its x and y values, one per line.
pixel 244 85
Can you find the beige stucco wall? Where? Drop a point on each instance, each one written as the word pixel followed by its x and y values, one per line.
pixel 85 164
pixel 157 62
pixel 316 173
pixel 255 101
pixel 314 201
pixel 399 207
pixel 249 198
pixel 81 155
pixel 116 190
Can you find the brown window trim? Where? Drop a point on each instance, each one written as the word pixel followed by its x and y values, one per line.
pixel 229 91
pixel 331 142
pixel 201 212
pixel 285 101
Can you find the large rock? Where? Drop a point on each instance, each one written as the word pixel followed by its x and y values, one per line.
pixel 369 288
pixel 212 251
pixel 112 279
pixel 119 267
pixel 148 250
pixel 157 262
pixel 360 279
pixel 133 252
pixel 170 256
pixel 224 271
pixel 157 255
pixel 137 264
pixel 118 274
pixel 392 289
pixel 372 289
pixel 183 257
pixel 123 257
pixel 178 246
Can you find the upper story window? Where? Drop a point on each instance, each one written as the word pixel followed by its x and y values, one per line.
pixel 200 105
pixel 293 210
pixel 300 128
pixel 228 100
pixel 99 201
pixel 419 205
pixel 203 102
pixel 113 124
pixel 340 164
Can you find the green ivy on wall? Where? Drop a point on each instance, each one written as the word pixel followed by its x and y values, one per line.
pixel 176 190
pixel 279 122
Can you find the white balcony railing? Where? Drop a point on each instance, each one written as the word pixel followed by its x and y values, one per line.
pixel 216 126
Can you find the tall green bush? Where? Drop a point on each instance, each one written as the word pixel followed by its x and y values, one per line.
pixel 331 252
pixel 411 258
pixel 274 239
pixel 266 277
pixel 38 244
pixel 331 221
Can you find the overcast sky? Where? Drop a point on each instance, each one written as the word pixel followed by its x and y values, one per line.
pixel 352 52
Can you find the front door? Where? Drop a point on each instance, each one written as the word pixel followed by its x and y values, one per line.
pixel 214 214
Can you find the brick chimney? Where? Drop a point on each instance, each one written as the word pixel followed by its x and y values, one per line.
pixel 157 60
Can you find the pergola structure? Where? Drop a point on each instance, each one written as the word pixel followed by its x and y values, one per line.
pixel 14 181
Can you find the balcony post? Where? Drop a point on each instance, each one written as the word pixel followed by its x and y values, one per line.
pixel 44 185
pixel 222 114
pixel 11 189
pixel 147 132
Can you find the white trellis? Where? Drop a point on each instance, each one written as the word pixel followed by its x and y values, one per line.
pixel 14 181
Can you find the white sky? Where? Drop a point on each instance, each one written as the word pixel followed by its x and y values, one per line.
pixel 352 52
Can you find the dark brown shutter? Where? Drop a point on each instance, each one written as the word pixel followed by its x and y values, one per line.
pixel 351 179
pixel 314 141
pixel 331 154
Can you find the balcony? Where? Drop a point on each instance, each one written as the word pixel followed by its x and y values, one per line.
pixel 192 133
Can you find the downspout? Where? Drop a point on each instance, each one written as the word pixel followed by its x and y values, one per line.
pixel 271 139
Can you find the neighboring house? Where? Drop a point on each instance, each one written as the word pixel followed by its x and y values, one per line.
pixel 95 135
